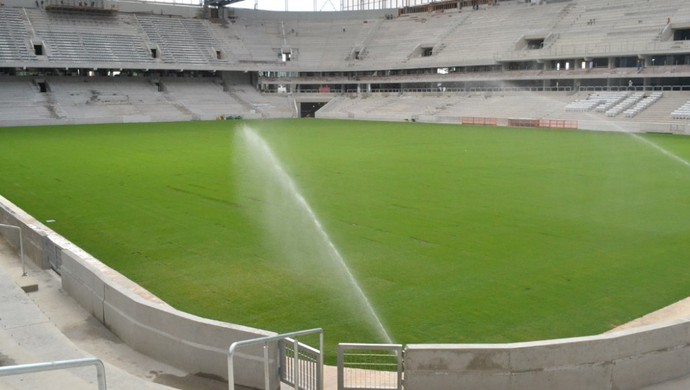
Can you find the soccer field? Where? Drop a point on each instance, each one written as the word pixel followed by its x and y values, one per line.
pixel 455 234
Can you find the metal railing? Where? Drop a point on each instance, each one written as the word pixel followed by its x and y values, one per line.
pixel 435 90
pixel 450 90
pixel 296 367
pixel 586 49
pixel 21 245
pixel 635 88
pixel 58 365
pixel 370 366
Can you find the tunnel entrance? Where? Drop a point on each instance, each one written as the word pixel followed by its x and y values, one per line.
pixel 308 109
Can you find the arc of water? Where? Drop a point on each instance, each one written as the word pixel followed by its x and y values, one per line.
pixel 661 149
pixel 256 141
pixel 647 142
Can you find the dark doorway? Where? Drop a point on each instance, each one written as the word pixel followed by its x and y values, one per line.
pixel 42 86
pixel 681 35
pixel 308 110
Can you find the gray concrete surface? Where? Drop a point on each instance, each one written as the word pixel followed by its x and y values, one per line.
pixel 677 384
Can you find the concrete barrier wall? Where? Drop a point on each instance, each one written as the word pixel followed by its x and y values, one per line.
pixel 33 236
pixel 623 360
pixel 592 125
pixel 148 325
pixel 626 126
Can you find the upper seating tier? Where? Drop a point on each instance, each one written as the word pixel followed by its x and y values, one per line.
pixel 341 41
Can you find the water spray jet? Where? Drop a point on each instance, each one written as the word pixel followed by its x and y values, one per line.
pixel 264 155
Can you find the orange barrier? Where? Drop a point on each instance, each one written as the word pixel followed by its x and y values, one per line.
pixel 558 124
pixel 520 122
pixel 470 120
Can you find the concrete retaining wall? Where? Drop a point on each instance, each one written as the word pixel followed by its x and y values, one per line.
pixel 592 125
pixel 623 360
pixel 142 321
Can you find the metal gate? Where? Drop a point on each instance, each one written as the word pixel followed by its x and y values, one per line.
pixel 300 365
pixel 370 366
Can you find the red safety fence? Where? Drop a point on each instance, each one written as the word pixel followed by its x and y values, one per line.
pixel 520 122
pixel 523 122
pixel 558 124
pixel 471 120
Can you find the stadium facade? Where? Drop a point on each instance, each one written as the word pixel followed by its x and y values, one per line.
pixel 590 64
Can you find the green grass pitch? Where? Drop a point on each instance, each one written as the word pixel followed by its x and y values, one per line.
pixel 457 234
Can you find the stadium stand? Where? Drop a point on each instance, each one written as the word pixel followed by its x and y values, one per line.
pixel 267 106
pixel 289 57
pixel 100 99
pixel 205 99
pixel 21 103
pixel 618 65
pixel 101 40
pixel 181 41
pixel 444 107
pixel 14 37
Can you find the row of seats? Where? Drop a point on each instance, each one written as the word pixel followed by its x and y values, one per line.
pixel 171 35
pixel 601 101
pixel 682 112
pixel 611 100
pixel 119 38
pixel 97 99
pixel 625 104
pixel 70 37
pixel 614 103
pixel 97 48
pixel 623 25
pixel 643 104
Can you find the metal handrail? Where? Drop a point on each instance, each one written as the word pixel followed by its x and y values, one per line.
pixel 21 245
pixel 58 365
pixel 265 341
